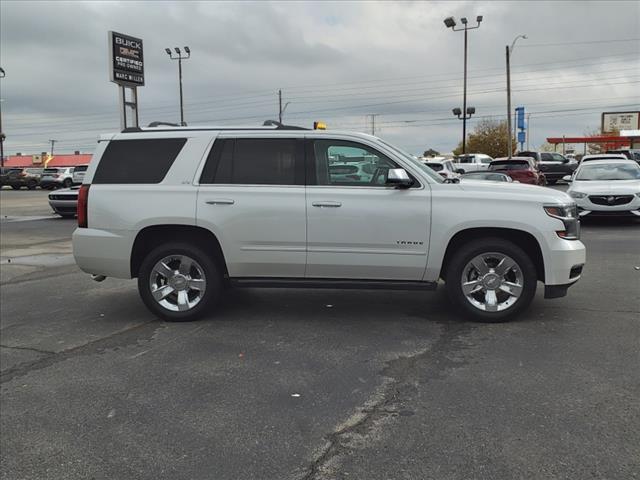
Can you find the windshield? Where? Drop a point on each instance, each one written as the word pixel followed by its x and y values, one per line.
pixel 609 171
pixel 415 162
pixel 435 166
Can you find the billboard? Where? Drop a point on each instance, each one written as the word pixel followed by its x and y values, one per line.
pixel 126 61
pixel 616 121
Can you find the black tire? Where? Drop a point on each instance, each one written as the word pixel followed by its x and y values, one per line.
pixel 32 185
pixel 470 250
pixel 15 187
pixel 551 181
pixel 67 183
pixel 212 274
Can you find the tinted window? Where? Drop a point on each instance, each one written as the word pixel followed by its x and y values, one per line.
pixel 527 154
pixel 81 168
pixel 546 157
pixel 339 162
pixel 255 161
pixel 510 165
pixel 466 159
pixel 138 161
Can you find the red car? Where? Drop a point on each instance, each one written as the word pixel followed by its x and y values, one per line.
pixel 521 169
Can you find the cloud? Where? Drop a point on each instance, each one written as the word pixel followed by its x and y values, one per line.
pixel 335 61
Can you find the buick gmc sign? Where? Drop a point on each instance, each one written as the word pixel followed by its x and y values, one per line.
pixel 126 62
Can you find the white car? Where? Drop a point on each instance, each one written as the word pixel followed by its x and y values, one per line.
pixel 188 210
pixel 56 177
pixel 78 173
pixel 472 162
pixel 606 187
pixel 445 168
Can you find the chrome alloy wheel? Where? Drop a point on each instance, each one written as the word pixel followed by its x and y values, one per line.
pixel 177 283
pixel 492 282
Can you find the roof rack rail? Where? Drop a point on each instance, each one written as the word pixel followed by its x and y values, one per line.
pixel 165 124
pixel 280 126
pixel 132 130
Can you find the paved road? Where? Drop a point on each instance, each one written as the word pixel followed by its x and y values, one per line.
pixel 295 384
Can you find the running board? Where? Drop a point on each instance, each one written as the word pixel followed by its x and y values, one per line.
pixel 335 283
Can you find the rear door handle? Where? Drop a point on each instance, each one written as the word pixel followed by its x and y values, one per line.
pixel 220 201
pixel 327 204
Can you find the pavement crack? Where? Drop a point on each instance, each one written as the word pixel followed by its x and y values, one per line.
pixel 400 376
pixel 121 338
pixel 29 349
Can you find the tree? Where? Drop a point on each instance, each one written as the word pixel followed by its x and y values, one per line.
pixel 430 153
pixel 599 147
pixel 489 137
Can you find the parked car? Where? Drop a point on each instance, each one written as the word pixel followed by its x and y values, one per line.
pixel 257 207
pixel 57 178
pixel 630 153
pixel 522 169
pixel 606 187
pixel 553 165
pixel 23 177
pixel 4 176
pixel 78 174
pixel 64 202
pixel 603 156
pixel 487 176
pixel 472 162
pixel 445 168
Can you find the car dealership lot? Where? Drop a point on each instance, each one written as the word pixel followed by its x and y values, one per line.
pixel 311 384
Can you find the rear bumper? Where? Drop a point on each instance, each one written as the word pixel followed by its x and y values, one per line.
pixel 100 252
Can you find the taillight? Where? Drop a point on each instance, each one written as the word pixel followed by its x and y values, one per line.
pixel 83 200
pixel 56 175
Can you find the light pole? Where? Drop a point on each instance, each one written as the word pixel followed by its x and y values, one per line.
pixel 464 117
pixel 179 57
pixel 450 22
pixel 2 135
pixel 509 51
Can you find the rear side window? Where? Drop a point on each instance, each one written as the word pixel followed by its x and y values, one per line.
pixel 81 168
pixel 138 161
pixel 255 161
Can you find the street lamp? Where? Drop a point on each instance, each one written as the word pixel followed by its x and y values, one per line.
pixel 179 57
pixel 450 22
pixel 509 51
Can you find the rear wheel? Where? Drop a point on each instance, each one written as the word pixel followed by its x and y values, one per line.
pixel 32 185
pixel 179 282
pixel 15 187
pixel 491 280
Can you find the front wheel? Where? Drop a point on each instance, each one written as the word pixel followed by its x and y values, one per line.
pixel 179 282
pixel 491 280
pixel 15 187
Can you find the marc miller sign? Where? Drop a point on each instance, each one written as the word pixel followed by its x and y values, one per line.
pixel 126 61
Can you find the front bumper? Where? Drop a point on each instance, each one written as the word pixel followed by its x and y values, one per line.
pixel 587 207
pixel 563 262
pixel 64 207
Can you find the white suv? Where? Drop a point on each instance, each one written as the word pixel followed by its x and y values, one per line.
pixel 189 211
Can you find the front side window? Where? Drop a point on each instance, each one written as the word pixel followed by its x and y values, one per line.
pixel 255 161
pixel 345 163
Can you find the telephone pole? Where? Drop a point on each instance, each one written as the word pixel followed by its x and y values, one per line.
pixel 373 122
pixel 509 51
pixel 52 144
pixel 281 109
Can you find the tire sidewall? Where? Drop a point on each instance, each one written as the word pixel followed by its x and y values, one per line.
pixel 211 272
pixel 469 251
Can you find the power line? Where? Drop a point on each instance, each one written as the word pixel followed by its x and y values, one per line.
pixel 586 42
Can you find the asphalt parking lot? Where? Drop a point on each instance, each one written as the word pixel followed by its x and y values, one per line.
pixel 298 384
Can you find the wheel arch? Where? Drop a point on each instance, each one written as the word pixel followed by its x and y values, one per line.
pixel 523 239
pixel 150 237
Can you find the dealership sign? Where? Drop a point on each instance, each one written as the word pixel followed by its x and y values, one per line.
pixel 616 121
pixel 126 62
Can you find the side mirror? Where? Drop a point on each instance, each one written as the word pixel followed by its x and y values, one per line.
pixel 399 178
pixel 567 178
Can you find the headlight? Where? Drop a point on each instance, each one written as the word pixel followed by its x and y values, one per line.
pixel 568 214
pixel 577 194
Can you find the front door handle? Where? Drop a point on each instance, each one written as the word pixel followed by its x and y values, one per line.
pixel 327 204
pixel 220 201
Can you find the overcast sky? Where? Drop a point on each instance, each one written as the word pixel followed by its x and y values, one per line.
pixel 335 61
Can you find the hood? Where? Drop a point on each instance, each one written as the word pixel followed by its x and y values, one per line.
pixel 606 187
pixel 506 191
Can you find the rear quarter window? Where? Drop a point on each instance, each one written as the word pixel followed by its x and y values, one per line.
pixel 138 161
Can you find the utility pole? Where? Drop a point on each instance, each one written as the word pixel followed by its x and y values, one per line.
pixel 280 106
pixel 528 128
pixel 451 23
pixel 373 122
pixel 2 135
pixel 509 51
pixel 52 144
pixel 179 57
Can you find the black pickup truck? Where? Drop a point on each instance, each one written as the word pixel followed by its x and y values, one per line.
pixel 553 165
